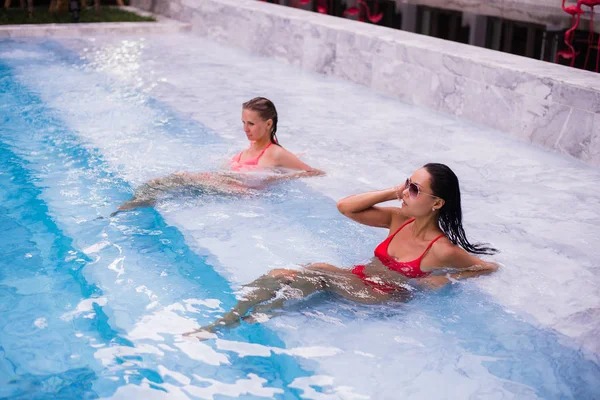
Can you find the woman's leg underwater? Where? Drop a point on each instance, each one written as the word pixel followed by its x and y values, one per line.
pixel 311 279
pixel 150 192
pixel 147 194
pixel 263 289
pixel 344 283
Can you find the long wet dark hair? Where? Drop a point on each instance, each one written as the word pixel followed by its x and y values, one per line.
pixel 267 111
pixel 444 184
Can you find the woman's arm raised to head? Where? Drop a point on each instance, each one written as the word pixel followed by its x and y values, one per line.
pixel 362 208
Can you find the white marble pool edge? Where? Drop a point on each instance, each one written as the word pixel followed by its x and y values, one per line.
pixel 543 103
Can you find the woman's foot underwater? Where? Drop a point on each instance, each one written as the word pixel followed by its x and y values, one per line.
pixel 132 205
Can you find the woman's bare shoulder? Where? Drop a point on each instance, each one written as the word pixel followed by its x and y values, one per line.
pixel 277 151
pixel 399 217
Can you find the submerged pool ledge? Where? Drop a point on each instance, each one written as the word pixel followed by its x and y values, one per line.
pixel 543 103
pixel 162 25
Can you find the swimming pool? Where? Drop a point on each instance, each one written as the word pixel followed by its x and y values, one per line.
pixel 93 307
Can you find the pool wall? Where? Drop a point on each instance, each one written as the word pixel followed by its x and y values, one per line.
pixel 543 103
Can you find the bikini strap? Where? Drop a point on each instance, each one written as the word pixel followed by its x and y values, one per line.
pixel 431 244
pixel 239 155
pixel 399 229
pixel 263 152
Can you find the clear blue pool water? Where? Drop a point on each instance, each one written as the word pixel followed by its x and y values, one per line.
pixel 92 307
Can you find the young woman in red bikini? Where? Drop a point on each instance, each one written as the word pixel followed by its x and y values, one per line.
pixel 425 235
pixel 259 117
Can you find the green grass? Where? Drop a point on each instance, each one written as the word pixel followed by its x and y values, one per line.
pixel 42 16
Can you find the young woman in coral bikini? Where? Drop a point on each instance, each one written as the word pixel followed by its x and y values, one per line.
pixel 425 235
pixel 259 117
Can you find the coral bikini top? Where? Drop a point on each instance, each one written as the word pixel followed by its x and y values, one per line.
pixel 237 165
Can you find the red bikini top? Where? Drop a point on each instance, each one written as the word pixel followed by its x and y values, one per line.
pixel 410 269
